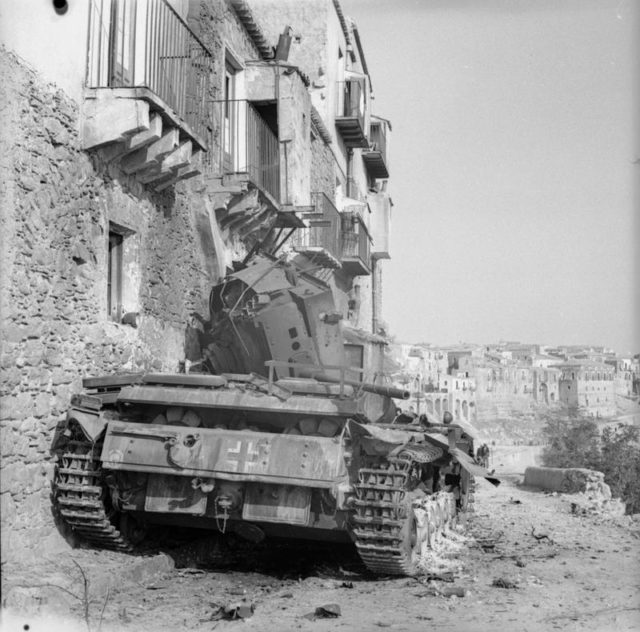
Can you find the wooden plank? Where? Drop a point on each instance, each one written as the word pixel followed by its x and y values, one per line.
pixel 185 379
pixel 120 379
pixel 235 399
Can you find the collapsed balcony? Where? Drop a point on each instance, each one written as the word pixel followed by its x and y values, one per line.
pixel 320 241
pixel 332 239
pixel 356 245
pixel 147 88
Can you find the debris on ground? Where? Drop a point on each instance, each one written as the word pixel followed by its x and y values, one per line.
pixel 236 610
pixel 328 611
pixel 501 582
pixel 452 591
pixel 445 576
pixel 539 536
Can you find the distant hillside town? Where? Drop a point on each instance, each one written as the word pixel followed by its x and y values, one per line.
pixel 478 383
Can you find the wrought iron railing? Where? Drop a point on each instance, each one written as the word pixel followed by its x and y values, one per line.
pixel 324 226
pixel 147 44
pixel 247 144
pixel 356 242
pixel 351 99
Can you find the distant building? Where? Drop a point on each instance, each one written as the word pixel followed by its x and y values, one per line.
pixel 588 386
pixel 627 374
pixel 546 382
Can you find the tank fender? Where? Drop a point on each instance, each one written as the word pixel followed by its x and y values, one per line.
pixel 91 423
pixel 467 463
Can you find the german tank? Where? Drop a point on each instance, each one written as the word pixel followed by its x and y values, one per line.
pixel 275 435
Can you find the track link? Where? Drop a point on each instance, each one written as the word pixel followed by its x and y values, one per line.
pixel 381 511
pixel 387 532
pixel 81 499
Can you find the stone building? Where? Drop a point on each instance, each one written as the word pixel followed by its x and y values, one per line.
pixel 148 148
pixel 588 386
pixel 627 375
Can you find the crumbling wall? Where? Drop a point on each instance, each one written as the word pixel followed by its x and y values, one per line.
pixel 590 494
pixel 560 479
pixel 56 202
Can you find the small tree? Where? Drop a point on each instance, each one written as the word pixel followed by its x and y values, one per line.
pixel 572 442
pixel 577 442
pixel 620 463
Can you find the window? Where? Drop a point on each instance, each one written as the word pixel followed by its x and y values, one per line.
pixel 122 43
pixel 114 275
pixel 230 115
pixel 122 272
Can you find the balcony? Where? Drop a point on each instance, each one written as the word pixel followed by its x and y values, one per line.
pixel 356 245
pixel 350 112
pixel 321 240
pixel 375 157
pixel 248 144
pixel 147 88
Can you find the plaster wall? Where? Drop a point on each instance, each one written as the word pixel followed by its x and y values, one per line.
pixel 317 40
pixel 54 44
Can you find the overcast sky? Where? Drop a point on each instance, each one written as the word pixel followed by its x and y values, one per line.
pixel 512 167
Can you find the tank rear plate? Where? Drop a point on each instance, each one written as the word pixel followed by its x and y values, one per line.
pixel 227 454
pixel 277 503
pixel 174 494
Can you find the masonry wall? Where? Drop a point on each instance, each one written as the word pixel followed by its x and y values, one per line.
pixel 56 203
pixel 323 177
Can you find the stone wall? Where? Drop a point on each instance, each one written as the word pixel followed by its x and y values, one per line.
pixel 56 203
pixel 323 172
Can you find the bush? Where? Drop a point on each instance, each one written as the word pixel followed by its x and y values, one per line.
pixel 577 442
pixel 620 463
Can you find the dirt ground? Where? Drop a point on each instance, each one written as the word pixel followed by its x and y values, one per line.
pixel 525 563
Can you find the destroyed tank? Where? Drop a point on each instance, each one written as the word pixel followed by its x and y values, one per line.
pixel 273 436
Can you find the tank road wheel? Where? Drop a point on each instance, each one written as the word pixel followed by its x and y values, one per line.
pixel 412 537
pixel 81 498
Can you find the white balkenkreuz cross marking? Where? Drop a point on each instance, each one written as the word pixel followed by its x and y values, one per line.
pixel 243 455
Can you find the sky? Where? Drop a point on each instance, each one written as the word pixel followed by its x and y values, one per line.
pixel 512 168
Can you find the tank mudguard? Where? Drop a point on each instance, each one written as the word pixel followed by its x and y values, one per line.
pixel 91 423
pixel 236 455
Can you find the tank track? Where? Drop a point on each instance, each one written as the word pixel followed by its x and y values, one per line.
pixel 81 498
pixel 386 531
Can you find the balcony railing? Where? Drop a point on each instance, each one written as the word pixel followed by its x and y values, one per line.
pixel 247 145
pixel 323 231
pixel 356 245
pixel 148 45
pixel 350 112
pixel 375 157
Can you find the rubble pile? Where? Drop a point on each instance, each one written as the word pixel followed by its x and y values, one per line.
pixel 596 498
pixel 443 540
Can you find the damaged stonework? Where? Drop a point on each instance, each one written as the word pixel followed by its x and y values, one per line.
pixel 59 208
pixel 589 493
